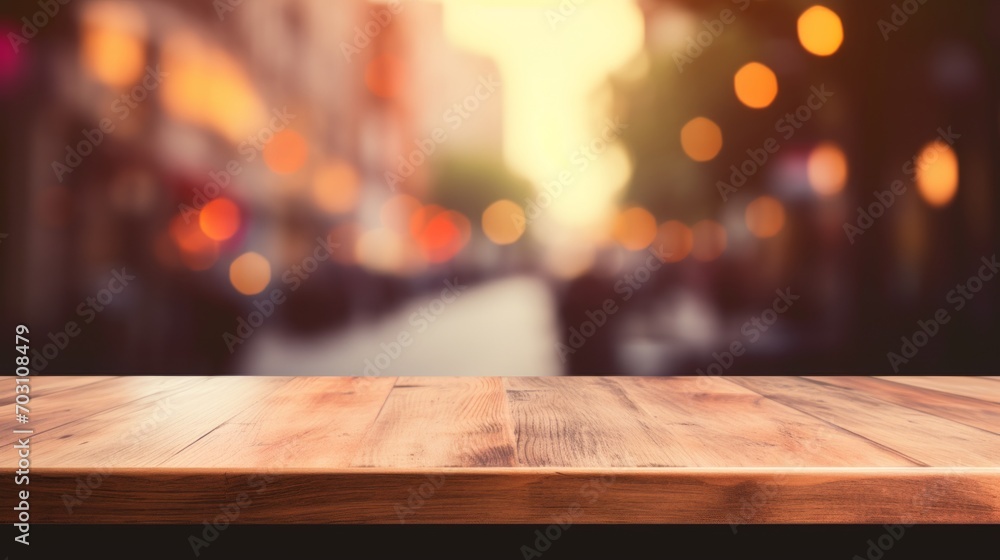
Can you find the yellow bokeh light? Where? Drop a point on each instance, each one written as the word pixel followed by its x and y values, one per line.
pixel 756 85
pixel 504 222
pixel 765 217
pixel 250 273
pixel 113 42
pixel 937 173
pixel 820 31
pixel 570 60
pixel 827 169
pixel 674 241
pixel 635 228
pixel 709 240
pixel 207 86
pixel 701 139
pixel 335 187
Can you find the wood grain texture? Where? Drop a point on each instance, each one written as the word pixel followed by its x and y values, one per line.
pixel 925 438
pixel 973 387
pixel 441 421
pixel 511 450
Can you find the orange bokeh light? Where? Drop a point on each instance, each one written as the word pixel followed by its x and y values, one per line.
pixel 504 222
pixel 335 187
pixel 820 31
pixel 219 219
pixel 674 241
pixel 937 173
pixel 250 273
pixel 765 216
pixel 701 139
pixel 756 85
pixel 197 250
pixel 286 153
pixel 635 228
pixel 444 236
pixel 827 169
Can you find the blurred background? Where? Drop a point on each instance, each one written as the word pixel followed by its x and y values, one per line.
pixel 473 187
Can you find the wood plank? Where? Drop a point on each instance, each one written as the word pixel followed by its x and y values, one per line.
pixel 972 387
pixel 441 422
pixel 512 450
pixel 75 404
pixel 537 496
pixel 45 385
pixel 148 431
pixel 972 412
pixel 584 422
pixel 717 423
pixel 925 438
pixel 308 422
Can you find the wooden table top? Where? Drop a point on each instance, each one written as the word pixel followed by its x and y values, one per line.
pixel 510 450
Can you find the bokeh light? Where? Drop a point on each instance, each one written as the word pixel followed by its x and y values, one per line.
pixel 286 152
pixel 113 47
pixel 709 241
pixel 701 139
pixel 937 173
pixel 674 241
pixel 756 85
pixel 197 250
pixel 765 216
pixel 444 236
pixel 820 31
pixel 827 169
pixel 504 222
pixel 335 187
pixel 250 273
pixel 635 228
pixel 207 86
pixel 219 219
